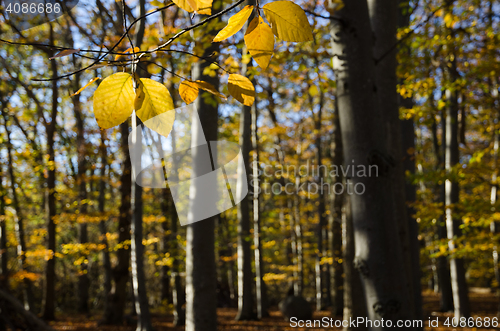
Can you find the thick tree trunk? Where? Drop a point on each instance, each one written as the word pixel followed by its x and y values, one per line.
pixel 378 257
pixel 354 301
pixel 201 276
pixel 384 19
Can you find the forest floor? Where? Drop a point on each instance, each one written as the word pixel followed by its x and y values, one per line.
pixel 483 304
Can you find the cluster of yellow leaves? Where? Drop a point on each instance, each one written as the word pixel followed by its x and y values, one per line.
pixel 203 7
pixel 115 99
pixel 288 22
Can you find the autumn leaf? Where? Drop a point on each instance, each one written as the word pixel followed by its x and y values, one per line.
pixel 189 90
pixel 333 5
pixel 242 89
pixel 128 52
pixel 114 100
pixel 66 52
pixel 203 7
pixel 153 99
pixel 259 40
pixel 288 21
pixel 86 85
pixel 234 24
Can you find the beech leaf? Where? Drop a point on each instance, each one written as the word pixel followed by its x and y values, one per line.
pixel 259 40
pixel 242 89
pixel 288 21
pixel 234 24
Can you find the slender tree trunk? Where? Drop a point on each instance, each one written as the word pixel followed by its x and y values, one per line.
pixel 19 223
pixel 245 274
pixel 49 299
pixel 83 278
pixel 4 271
pixel 102 223
pixel 201 276
pixel 260 290
pixel 407 132
pixel 117 298
pixel 178 290
pixel 338 268
pixel 457 269
pixel 378 258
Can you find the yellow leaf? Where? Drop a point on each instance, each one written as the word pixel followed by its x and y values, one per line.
pixel 114 100
pixel 234 24
pixel 87 85
pixel 288 21
pixel 156 100
pixel 200 6
pixel 259 40
pixel 123 55
pixel 242 89
pixel 188 91
pixel 66 52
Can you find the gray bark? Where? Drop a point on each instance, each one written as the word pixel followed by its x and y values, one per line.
pixel 354 301
pixel 201 276
pixel 457 269
pixel 378 255
pixel 49 299
pixel 338 269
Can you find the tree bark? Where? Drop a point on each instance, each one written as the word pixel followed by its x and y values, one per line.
pixel 354 301
pixel 378 258
pixel 102 223
pixel 201 276
pixel 338 268
pixel 117 298
pixel 457 269
pixel 49 299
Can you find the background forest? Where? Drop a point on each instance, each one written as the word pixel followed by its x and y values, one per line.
pixel 410 88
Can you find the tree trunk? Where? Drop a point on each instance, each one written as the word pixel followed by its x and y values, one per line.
pixel 49 299
pixel 83 278
pixel 354 301
pixel 19 224
pixel 4 271
pixel 136 229
pixel 245 274
pixel 338 268
pixel 101 209
pixel 201 276
pixel 378 256
pixel 260 289
pixel 117 298
pixel 458 282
